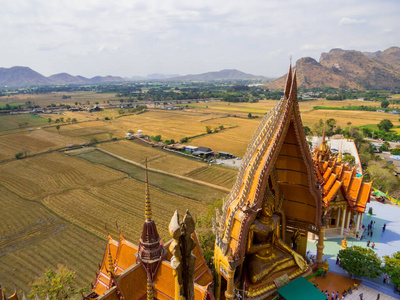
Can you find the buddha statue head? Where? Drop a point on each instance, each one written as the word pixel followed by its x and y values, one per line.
pixel 267 208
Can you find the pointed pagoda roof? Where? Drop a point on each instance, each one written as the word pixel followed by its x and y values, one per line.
pixel 279 149
pixel 151 251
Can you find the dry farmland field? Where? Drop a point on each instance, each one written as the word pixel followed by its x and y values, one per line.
pixel 55 205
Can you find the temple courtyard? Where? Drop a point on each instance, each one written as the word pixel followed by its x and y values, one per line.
pixel 386 243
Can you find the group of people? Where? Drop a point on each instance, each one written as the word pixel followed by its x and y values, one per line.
pixel 386 279
pixel 334 296
pixel 372 244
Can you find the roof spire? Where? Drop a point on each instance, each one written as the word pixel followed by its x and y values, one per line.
pixel 110 262
pixel 148 213
pixel 293 87
pixel 288 81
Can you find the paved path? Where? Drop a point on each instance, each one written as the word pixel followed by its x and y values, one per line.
pixel 387 243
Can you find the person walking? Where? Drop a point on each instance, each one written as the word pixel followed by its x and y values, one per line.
pixel 378 297
pixel 333 295
pixel 384 278
pixel 361 296
pixel 368 243
pixel 373 245
pixel 337 295
pixel 384 227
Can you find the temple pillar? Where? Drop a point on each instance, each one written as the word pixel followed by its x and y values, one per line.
pixel 343 220
pixel 320 245
pixel 230 289
pixel 362 218
pixel 348 220
pixel 338 217
pixel 358 222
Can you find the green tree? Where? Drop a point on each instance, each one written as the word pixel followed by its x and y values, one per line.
pixel 184 140
pixel 58 285
pixel 350 158
pixel 385 103
pixel 74 120
pixel 392 268
pixel 249 116
pixel 58 128
pixel 221 127
pixel 307 130
pixel 49 120
pixel 360 261
pixel 208 129
pixel 68 120
pixel 19 155
pixel 385 146
pixel 318 128
pixel 156 138
pixel 330 126
pixel 385 125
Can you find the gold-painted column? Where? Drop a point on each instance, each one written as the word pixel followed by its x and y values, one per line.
pixel 320 245
pixel 230 292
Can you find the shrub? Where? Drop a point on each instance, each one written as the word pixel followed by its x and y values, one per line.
pixel 370 211
pixel 19 155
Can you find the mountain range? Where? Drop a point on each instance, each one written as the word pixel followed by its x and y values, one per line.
pixel 348 69
pixel 227 74
pixel 24 76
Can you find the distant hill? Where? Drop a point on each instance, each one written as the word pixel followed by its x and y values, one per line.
pixel 21 76
pixel 228 74
pixel 348 69
pixel 24 76
pixel 154 76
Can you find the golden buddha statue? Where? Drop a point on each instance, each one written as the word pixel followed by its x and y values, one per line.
pixel 344 244
pixel 267 253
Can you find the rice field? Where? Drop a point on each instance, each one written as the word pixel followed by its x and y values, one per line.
pixel 39 176
pixel 10 122
pixel 32 239
pixel 55 208
pixel 57 98
pixel 35 141
pixel 168 123
pixel 168 184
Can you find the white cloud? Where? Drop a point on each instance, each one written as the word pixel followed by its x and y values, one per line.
pixel 135 37
pixel 350 21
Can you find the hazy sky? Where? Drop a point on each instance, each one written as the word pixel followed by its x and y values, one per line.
pixel 126 38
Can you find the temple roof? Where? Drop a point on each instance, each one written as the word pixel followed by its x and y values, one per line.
pixel 278 148
pixel 131 279
pixel 339 180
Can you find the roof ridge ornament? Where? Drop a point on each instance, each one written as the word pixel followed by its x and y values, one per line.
pixel 148 212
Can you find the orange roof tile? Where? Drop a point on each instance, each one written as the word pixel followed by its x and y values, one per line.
pixel 332 192
pixel 125 255
pixel 329 183
pixel 132 283
pixel 354 189
pixel 111 294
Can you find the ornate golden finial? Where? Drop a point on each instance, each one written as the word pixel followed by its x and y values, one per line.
pixel 110 262
pixel 150 295
pixel 148 213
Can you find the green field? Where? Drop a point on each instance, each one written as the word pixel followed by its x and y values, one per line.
pixel 10 122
